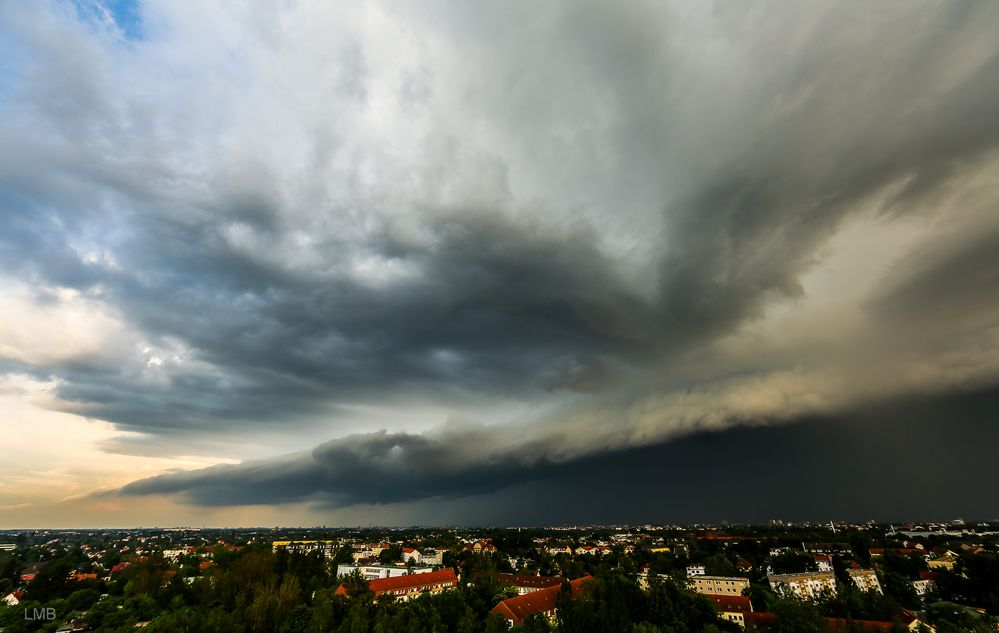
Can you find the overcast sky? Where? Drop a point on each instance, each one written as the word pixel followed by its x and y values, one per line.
pixel 304 262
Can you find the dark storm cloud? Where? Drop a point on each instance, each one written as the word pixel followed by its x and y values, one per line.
pixel 574 212
pixel 369 468
pixel 890 462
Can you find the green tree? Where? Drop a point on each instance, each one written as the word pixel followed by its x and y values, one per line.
pixel 796 616
pixel 391 554
pixel 719 565
pixel 536 623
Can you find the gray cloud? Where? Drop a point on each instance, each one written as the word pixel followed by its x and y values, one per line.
pixel 572 210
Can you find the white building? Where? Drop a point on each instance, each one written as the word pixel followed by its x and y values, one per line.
pixel 173 554
pixel 695 570
pixel 808 585
pixel 411 554
pixel 433 557
pixel 372 572
pixel 924 586
pixel 824 562
pixel 305 547
pixel 865 579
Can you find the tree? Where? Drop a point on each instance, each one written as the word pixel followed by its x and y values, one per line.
pixel 51 582
pixel 793 563
pixel 536 623
pixel 391 554
pixel 719 565
pixel 796 616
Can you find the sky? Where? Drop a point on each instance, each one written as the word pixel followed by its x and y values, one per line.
pixel 389 262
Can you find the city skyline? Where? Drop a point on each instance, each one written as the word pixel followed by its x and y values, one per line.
pixel 400 263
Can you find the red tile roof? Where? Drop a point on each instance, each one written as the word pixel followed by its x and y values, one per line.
pixel 409 581
pixel 731 604
pixel 518 608
pixel 763 619
pixel 528 581
pixel 839 624
pixel 904 551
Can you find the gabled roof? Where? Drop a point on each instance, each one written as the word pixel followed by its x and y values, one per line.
pixel 529 581
pixel 731 604
pixel 518 608
pixel 409 581
pixel 763 619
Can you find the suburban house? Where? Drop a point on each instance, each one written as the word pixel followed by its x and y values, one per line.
pixel 946 561
pixel 411 554
pixel 926 584
pixel 481 547
pixel 544 601
pixel 732 608
pixel 409 587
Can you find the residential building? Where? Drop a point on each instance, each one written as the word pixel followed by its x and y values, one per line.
pixel 695 570
pixel 515 610
pixel 481 547
pixel 865 579
pixel 824 561
pixel 763 619
pixel 946 561
pixel 173 554
pixel 8 547
pixel 411 554
pixel 720 585
pixel 373 572
pixel 432 557
pixel 306 547
pixel 526 583
pixel 806 585
pixel 926 583
pixel 408 587
pixel 875 552
pixel 732 608
pixel 827 548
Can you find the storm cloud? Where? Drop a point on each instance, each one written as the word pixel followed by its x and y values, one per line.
pixel 475 245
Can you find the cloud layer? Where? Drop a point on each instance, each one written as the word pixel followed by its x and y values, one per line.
pixel 525 235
